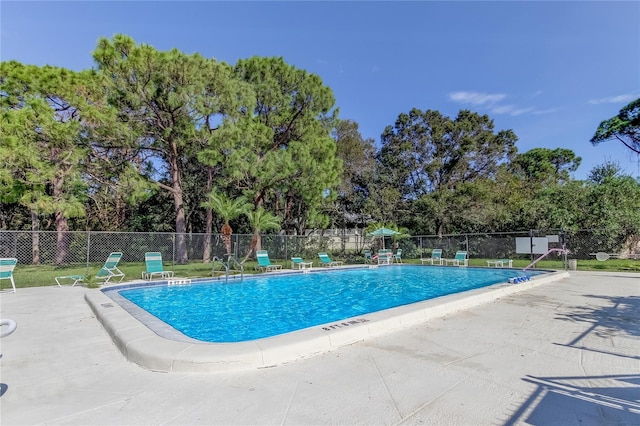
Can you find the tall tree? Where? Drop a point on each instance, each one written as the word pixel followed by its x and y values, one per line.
pixel 47 119
pixel 546 166
pixel 426 154
pixel 171 101
pixel 542 194
pixel 624 127
pixel 612 207
pixel 281 156
pixel 358 173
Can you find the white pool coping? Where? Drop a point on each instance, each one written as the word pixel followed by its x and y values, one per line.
pixel 141 345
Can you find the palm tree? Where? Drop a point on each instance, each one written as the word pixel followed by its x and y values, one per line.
pixel 228 209
pixel 260 220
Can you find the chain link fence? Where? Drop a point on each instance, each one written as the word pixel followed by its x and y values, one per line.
pixel 76 248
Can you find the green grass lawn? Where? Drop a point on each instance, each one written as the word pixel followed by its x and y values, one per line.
pixel 44 275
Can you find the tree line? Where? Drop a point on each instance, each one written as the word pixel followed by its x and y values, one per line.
pixel 152 140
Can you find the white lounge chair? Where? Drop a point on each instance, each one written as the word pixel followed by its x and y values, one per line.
pixel 153 261
pixel 436 257
pixel 460 259
pixel 384 257
pixel 500 263
pixel 108 271
pixel 7 265
pixel 299 263
pixel 264 264
pixel 398 256
pixel 325 260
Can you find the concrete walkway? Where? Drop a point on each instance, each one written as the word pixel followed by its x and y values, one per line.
pixel 565 353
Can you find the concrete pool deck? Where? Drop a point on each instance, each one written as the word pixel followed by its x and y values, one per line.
pixel 564 352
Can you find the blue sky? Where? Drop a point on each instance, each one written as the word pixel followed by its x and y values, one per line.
pixel 550 71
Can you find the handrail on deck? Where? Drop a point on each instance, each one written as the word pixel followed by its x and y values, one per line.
pixel 227 266
pixel 559 250
pixel 233 260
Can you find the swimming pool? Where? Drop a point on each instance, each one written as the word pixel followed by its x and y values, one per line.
pixel 153 344
pixel 266 306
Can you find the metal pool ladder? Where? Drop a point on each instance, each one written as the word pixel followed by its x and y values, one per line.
pixel 228 266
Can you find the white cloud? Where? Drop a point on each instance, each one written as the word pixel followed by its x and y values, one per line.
pixel 493 102
pixel 476 98
pixel 511 110
pixel 626 98
pixel 545 111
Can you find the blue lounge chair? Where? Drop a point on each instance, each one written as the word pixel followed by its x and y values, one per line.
pixel 108 271
pixel 325 260
pixel 153 261
pixel 264 264
pixel 299 263
pixel 436 257
pixel 398 256
pixel 460 259
pixel 76 279
pixel 384 256
pixel 110 268
pixel 7 265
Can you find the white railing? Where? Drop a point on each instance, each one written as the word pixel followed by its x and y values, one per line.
pixel 556 250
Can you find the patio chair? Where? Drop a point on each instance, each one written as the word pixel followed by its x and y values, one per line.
pixel 367 256
pixel 7 265
pixel 500 263
pixel 76 279
pixel 109 270
pixel 299 263
pixel 153 261
pixel 460 259
pixel 385 256
pixel 398 256
pixel 436 257
pixel 325 260
pixel 264 264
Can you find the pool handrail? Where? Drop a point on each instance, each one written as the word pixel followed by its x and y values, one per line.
pixel 227 266
pixel 559 250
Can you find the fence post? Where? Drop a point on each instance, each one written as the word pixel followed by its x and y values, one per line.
pixel 531 243
pixel 563 241
pixel 88 250
pixel 173 249
pixel 235 251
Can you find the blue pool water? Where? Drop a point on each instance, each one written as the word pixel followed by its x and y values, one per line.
pixel 271 305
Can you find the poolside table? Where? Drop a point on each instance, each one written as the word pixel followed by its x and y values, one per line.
pixel 306 265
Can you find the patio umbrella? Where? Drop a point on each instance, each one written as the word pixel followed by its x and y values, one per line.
pixel 383 232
